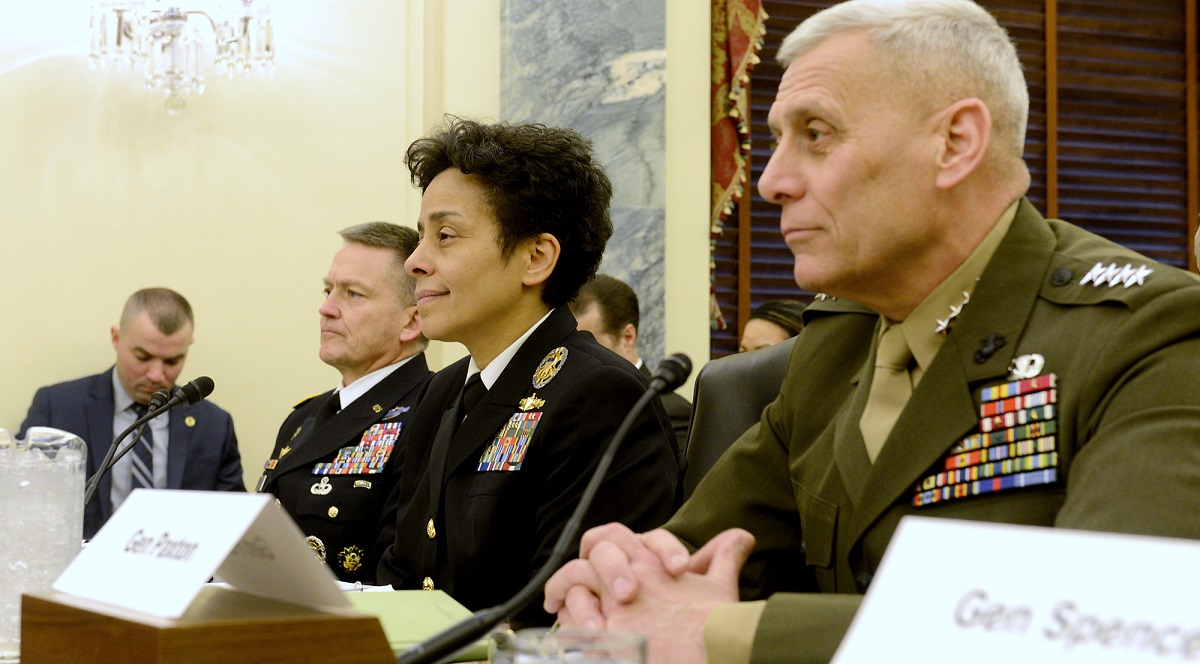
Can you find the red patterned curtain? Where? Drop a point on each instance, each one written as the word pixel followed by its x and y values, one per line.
pixel 738 27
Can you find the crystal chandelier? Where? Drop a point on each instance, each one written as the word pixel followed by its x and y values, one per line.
pixel 167 42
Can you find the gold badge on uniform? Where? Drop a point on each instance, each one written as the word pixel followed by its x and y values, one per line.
pixel 377 408
pixel 189 421
pixel 286 449
pixel 531 402
pixel 549 367
pixel 317 546
pixel 351 558
pixel 297 431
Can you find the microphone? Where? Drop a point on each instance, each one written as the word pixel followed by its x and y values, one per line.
pixel 193 392
pixel 671 373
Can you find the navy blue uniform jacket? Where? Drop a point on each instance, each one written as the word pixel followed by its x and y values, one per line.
pixel 479 528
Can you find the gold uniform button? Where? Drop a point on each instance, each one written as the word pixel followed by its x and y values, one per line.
pixel 430 530
pixel 333 512
pixel 427 584
pixel 278 504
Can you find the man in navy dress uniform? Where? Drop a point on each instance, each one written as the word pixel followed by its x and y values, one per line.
pixel 337 456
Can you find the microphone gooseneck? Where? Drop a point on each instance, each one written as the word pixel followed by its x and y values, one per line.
pixel 671 373
pixel 193 392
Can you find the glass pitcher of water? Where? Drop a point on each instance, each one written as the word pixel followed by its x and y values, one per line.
pixel 41 522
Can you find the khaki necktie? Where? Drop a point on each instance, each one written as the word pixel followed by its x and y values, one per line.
pixel 891 387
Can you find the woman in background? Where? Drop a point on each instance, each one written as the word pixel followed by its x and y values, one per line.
pixel 772 322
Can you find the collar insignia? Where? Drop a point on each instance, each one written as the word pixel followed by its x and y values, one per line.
pixel 943 325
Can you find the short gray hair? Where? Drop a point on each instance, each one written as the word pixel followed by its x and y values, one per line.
pixel 399 239
pixel 942 44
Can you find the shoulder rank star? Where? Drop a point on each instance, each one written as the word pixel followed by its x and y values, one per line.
pixel 531 402
pixel 1112 275
pixel 549 368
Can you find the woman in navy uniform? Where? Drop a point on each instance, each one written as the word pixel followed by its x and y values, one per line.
pixel 514 220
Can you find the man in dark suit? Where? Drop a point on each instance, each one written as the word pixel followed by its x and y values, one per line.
pixel 514 219
pixel 608 308
pixel 973 360
pixel 191 447
pixel 337 456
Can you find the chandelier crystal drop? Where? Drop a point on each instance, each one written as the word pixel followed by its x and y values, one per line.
pixel 167 42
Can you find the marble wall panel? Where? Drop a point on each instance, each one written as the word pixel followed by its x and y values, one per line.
pixel 599 66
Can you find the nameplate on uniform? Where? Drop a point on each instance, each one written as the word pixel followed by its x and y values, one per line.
pixel 162 546
pixel 980 592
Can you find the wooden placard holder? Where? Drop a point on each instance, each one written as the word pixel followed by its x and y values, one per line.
pixel 222 625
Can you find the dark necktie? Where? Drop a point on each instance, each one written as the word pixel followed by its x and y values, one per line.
pixel 143 454
pixel 328 409
pixel 472 394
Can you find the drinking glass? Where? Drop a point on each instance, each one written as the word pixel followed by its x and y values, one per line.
pixel 553 646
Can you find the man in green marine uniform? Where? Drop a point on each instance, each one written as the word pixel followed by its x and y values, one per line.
pixel 971 360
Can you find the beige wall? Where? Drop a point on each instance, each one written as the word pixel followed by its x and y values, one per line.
pixel 237 202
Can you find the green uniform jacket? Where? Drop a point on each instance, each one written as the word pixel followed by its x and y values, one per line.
pixel 1127 362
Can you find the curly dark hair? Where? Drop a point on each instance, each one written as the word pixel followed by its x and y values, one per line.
pixel 537 179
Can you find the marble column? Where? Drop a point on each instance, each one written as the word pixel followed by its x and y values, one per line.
pixel 599 66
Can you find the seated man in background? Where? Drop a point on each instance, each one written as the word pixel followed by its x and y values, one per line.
pixel 191 447
pixel 900 128
pixel 514 219
pixel 337 457
pixel 608 308
pixel 772 322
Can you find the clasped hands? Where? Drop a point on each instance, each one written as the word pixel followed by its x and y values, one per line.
pixel 651 584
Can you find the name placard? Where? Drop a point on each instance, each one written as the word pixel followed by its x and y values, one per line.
pixel 1001 593
pixel 159 549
